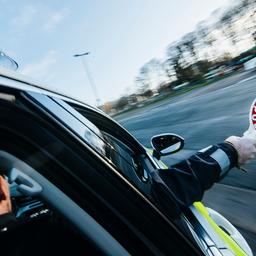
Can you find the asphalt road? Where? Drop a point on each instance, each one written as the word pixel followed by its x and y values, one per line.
pixel 207 116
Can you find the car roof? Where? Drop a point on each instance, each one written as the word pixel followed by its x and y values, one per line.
pixel 12 79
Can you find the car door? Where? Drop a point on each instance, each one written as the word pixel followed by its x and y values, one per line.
pixel 46 135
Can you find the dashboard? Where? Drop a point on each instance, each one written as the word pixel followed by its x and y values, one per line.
pixel 27 208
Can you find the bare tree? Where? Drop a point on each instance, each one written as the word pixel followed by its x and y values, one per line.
pixel 179 63
pixel 227 24
pixel 149 75
pixel 175 59
pixel 205 39
pixel 142 80
pixel 189 42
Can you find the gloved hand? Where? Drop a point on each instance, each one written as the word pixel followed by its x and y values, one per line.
pixel 5 200
pixel 245 147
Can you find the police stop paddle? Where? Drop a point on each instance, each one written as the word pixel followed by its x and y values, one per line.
pixel 251 132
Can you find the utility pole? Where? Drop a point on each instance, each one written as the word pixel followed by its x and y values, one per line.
pixel 89 76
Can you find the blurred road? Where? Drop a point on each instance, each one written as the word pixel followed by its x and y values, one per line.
pixel 207 116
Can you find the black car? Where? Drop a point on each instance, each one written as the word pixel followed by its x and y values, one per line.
pixel 80 183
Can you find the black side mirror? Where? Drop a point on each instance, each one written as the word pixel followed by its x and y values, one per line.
pixel 165 144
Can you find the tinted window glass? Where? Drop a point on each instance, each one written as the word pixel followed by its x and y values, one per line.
pixel 110 147
pixel 121 156
pixel 115 151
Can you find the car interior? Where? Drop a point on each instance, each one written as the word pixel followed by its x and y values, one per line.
pixel 34 158
pixel 43 226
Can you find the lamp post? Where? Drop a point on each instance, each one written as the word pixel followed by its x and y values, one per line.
pixel 89 76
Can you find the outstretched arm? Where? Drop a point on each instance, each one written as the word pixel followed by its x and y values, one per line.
pixel 185 182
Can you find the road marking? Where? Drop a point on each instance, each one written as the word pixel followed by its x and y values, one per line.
pixel 232 85
pixel 246 79
pixel 234 187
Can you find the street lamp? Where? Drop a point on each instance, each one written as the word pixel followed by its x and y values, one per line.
pixel 89 76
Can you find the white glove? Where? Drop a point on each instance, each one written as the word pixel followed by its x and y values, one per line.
pixel 245 147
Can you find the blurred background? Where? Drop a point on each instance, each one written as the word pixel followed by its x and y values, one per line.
pixel 221 45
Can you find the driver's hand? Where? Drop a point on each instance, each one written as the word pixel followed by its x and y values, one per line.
pixel 245 147
pixel 5 199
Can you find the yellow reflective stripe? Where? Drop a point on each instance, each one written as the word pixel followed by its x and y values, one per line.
pixel 150 151
pixel 236 249
pixel 162 164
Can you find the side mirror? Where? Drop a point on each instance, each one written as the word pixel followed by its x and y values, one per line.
pixel 165 144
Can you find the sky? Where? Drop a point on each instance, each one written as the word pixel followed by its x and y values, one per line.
pixel 121 35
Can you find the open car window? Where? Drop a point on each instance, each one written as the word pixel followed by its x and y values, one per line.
pixel 112 149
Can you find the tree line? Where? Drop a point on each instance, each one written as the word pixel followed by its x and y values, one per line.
pixel 222 39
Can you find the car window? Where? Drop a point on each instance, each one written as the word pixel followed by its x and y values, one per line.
pixel 112 149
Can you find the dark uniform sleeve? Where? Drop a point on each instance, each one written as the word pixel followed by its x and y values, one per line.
pixel 185 182
pixel 6 220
